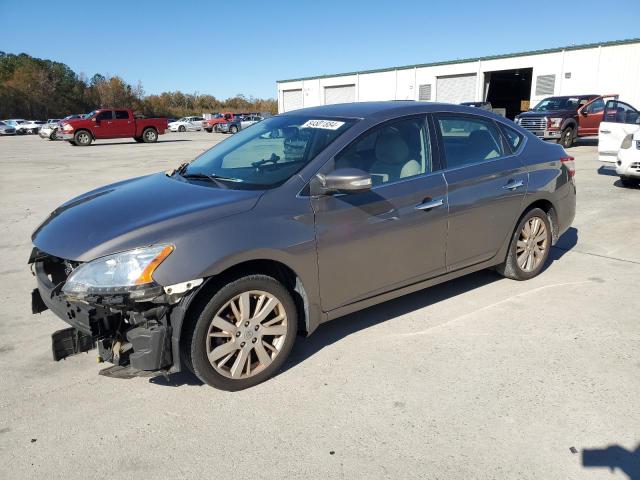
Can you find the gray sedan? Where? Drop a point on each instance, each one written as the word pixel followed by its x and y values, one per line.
pixel 301 219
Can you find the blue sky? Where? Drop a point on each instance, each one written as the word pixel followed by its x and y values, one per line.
pixel 225 48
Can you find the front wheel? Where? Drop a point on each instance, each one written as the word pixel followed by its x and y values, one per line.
pixel 529 248
pixel 53 136
pixel 209 130
pixel 233 129
pixel 243 335
pixel 182 128
pixel 83 138
pixel 566 139
pixel 150 135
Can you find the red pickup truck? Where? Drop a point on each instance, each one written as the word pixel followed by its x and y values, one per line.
pixel 211 124
pixel 111 123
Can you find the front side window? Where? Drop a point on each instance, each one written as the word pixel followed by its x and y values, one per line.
pixel 390 152
pixel 267 154
pixel 469 140
pixel 122 115
pixel 596 106
pixel 620 112
pixel 106 115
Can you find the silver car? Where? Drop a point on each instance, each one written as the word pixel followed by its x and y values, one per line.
pixel 216 266
pixel 7 129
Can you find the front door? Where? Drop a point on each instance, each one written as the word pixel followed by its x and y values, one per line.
pixel 589 118
pixel 486 186
pixel 620 119
pixel 373 242
pixel 103 124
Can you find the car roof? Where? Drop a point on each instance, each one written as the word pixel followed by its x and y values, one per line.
pixel 389 108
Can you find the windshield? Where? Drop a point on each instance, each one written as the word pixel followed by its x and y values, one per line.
pixel 269 153
pixel 560 103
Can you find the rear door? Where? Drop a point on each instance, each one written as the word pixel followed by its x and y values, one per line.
pixel 103 126
pixel 486 186
pixel 619 120
pixel 123 124
pixel 372 242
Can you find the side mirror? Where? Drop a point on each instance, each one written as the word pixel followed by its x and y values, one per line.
pixel 94 120
pixel 584 112
pixel 345 180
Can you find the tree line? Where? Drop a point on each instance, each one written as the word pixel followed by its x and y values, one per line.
pixel 35 88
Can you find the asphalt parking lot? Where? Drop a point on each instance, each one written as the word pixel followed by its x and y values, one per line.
pixel 482 377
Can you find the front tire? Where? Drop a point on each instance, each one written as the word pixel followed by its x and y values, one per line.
pixel 182 128
pixel 83 138
pixel 243 335
pixel 233 129
pixel 53 136
pixel 529 248
pixel 566 139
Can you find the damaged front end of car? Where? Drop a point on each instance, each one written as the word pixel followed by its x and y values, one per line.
pixel 114 304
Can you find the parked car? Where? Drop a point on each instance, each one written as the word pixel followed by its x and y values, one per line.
pixel 232 126
pixel 187 124
pixel 619 141
pixel 107 123
pixel 6 129
pixel 480 105
pixel 14 122
pixel 211 124
pixel 29 127
pixel 49 129
pixel 565 118
pixel 215 266
pixel 249 120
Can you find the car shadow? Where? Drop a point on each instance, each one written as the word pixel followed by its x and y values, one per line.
pixel 619 184
pixel 586 142
pixel 139 143
pixel 613 457
pixel 334 331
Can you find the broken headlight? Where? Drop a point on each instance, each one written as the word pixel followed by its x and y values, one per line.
pixel 125 272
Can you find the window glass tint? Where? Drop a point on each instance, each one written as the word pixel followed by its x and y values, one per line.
pixel 469 140
pixel 514 138
pixel 122 115
pixel 596 107
pixel 106 115
pixel 620 112
pixel 390 152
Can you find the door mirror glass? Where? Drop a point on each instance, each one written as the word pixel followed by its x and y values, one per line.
pixel 345 180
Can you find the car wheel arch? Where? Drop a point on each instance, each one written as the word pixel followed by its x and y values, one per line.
pixel 187 310
pixel 548 207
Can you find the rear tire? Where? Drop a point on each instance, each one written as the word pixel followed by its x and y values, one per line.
pixel 149 135
pixel 566 139
pixel 245 355
pixel 83 138
pixel 529 248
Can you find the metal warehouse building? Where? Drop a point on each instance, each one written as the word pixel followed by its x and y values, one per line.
pixel 510 82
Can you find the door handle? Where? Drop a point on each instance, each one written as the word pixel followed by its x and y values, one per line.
pixel 429 204
pixel 605 131
pixel 513 185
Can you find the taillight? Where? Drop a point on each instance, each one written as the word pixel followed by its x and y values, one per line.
pixel 570 163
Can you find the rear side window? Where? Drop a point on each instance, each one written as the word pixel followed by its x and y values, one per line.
pixel 122 115
pixel 468 139
pixel 106 115
pixel 514 138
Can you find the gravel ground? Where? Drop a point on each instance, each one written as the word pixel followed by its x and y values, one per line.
pixel 478 378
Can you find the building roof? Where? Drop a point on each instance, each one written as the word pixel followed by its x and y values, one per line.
pixel 474 59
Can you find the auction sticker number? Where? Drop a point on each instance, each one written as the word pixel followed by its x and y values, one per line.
pixel 326 124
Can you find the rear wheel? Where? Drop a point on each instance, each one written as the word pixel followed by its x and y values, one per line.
pixel 529 248
pixel 83 138
pixel 566 139
pixel 243 335
pixel 182 128
pixel 149 135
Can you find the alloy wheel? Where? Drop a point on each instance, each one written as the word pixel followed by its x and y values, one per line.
pixel 532 244
pixel 246 334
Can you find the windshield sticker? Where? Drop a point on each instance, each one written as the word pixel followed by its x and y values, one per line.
pixel 326 124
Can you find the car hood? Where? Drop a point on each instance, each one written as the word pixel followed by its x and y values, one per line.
pixel 137 212
pixel 548 113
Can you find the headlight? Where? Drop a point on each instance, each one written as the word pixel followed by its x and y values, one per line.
pixel 627 142
pixel 554 122
pixel 125 272
pixel 67 127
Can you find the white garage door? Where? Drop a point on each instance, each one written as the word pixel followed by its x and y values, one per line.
pixel 291 100
pixel 456 88
pixel 339 94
